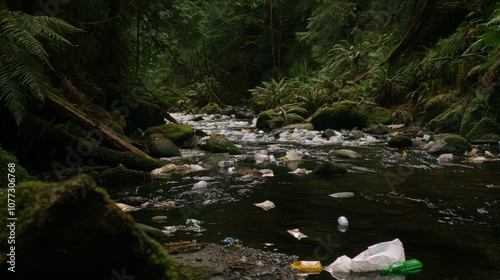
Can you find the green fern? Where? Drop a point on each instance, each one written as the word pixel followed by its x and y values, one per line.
pixel 24 41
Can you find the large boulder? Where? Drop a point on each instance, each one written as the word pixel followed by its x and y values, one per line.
pixel 211 108
pixel 436 105
pixel 449 144
pixel 379 115
pixel 449 121
pixel 299 111
pixel 178 133
pixel 163 147
pixel 73 230
pixel 400 141
pixel 346 114
pixel 269 120
pixel 292 118
pixel 484 127
pixel 220 144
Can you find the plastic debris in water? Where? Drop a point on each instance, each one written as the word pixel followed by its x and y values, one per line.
pixel 266 205
pixel 308 266
pixel 200 185
pixel 296 233
pixel 488 154
pixel 343 224
pixel 231 241
pixel 300 171
pixel 126 208
pixel 193 222
pixel 405 154
pixel 342 195
pixel 445 158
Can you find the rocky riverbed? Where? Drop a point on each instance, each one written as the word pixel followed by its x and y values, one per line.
pixel 234 261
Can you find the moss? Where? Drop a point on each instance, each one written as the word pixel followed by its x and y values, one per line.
pixel 190 272
pixel 164 147
pixel 346 114
pixel 105 156
pixel 294 118
pixel 484 127
pixel 449 121
pixel 219 144
pixel 20 173
pixel 299 111
pixel 379 115
pixel 436 106
pixel 473 114
pixel 76 225
pixel 178 133
pixel 211 108
pixel 269 120
pixel 119 176
pixel 459 143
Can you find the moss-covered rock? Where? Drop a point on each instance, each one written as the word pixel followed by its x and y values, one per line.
pixel 211 108
pixel 379 115
pixel 163 147
pixel 299 111
pixel 473 114
pixel 8 163
pixel 119 176
pixel 109 157
pixel 293 118
pixel 73 230
pixel 449 121
pixel 450 144
pixel 178 133
pixel 219 144
pixel 346 114
pixel 436 106
pixel 483 127
pixel 269 120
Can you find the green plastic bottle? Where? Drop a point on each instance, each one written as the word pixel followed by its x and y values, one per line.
pixel 411 266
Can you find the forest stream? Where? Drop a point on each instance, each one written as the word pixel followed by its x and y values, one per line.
pixel 447 215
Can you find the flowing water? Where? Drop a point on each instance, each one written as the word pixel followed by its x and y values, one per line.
pixel 446 215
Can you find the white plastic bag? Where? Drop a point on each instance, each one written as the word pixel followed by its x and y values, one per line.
pixel 375 258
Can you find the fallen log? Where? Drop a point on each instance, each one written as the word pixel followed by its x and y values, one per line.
pixel 69 111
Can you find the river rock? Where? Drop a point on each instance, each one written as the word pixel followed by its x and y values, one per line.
pixel 345 153
pixel 178 133
pixel 453 144
pixel 400 141
pixel 329 168
pixel 220 144
pixel 329 133
pixel 346 114
pixel 73 230
pixel 163 147
pixel 342 195
pixel 377 129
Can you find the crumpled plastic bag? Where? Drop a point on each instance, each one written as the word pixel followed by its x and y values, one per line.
pixel 375 258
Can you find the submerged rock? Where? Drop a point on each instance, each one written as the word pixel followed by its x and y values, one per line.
pixel 400 141
pixel 329 168
pixel 345 153
pixel 72 230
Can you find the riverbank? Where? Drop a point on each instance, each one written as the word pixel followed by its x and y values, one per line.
pixel 217 262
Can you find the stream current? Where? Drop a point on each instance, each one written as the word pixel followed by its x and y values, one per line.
pixel 446 215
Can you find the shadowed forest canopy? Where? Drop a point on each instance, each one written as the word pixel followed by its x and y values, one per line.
pixel 108 57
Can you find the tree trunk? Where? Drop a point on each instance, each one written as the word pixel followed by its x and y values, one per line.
pixel 417 25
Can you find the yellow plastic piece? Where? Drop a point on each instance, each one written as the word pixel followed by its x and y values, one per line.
pixel 308 266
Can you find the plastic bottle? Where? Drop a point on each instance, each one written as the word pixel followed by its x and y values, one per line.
pixel 411 266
